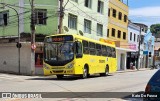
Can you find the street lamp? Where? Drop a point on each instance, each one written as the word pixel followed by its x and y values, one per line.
pixel 18 43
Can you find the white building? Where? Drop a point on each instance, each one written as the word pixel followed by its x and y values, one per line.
pixel 87 17
pixel 133 42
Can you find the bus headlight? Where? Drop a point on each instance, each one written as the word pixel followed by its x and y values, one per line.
pixel 70 65
pixel 45 66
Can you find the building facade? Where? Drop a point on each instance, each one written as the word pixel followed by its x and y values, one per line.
pixel 133 41
pixel 148 49
pixel 86 18
pixel 118 29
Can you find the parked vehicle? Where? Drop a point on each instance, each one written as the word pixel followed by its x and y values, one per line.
pixel 152 90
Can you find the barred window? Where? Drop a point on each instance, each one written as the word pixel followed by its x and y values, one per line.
pixel 72 21
pixel 87 26
pixel 99 30
pixel 40 16
pixel 4 18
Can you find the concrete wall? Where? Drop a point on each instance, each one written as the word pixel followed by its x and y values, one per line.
pixel 9 58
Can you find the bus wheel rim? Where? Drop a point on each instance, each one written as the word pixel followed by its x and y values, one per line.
pixel 84 72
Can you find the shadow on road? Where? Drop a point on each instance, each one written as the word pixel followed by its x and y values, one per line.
pixel 65 78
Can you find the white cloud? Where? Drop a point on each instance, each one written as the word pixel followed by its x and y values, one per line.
pixel 146 11
pixel 146 15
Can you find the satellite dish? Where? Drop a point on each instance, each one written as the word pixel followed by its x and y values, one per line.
pixel 66 28
pixel 80 32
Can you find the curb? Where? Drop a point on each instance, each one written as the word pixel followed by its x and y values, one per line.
pixel 130 70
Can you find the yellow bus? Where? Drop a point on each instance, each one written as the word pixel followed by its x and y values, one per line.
pixel 67 54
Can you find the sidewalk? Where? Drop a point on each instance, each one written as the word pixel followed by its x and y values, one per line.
pixel 132 70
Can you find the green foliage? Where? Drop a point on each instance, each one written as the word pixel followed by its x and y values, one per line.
pixel 155 28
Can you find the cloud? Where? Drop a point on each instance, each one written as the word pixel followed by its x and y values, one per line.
pixel 146 15
pixel 146 11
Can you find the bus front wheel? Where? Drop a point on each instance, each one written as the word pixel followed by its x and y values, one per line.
pixel 85 73
pixel 60 76
pixel 106 72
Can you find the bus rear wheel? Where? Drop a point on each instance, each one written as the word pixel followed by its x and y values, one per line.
pixel 60 76
pixel 106 72
pixel 85 73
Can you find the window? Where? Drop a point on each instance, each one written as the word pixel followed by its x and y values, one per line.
pixel 104 51
pixel 125 18
pixel 107 32
pixel 120 16
pixel 40 16
pixel 113 52
pixel 4 18
pixel 99 30
pixel 98 49
pixel 92 48
pixel 88 3
pixel 100 7
pixel 75 1
pixel 113 32
pixel 108 11
pixel 72 21
pixel 109 51
pixel 119 34
pixel 87 26
pixel 138 38
pixel 134 37
pixel 85 47
pixel 131 36
pixel 114 13
pixel 124 35
pixel 79 48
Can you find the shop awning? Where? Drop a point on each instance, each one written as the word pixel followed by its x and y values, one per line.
pixel 124 49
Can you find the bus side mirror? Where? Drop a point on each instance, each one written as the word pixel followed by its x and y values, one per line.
pixel 78 49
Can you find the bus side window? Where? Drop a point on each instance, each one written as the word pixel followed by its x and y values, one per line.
pixel 113 53
pixel 104 50
pixel 85 47
pixel 109 51
pixel 78 49
pixel 98 49
pixel 92 48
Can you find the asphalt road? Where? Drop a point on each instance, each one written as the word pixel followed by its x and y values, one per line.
pixel 121 82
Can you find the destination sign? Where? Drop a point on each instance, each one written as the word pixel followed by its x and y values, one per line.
pixel 62 38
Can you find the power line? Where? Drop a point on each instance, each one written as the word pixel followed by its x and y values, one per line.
pixel 14 6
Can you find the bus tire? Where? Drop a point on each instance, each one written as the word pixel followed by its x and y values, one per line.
pixel 106 71
pixel 60 76
pixel 85 73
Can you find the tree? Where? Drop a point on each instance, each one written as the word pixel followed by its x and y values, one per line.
pixel 155 30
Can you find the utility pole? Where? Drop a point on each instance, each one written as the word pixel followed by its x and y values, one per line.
pixel 61 15
pixel 32 38
pixel 139 48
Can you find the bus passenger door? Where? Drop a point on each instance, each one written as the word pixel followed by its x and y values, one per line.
pixel 79 58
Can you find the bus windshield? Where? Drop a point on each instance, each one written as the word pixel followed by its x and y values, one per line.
pixel 58 52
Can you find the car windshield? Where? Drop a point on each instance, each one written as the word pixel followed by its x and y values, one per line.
pixel 58 51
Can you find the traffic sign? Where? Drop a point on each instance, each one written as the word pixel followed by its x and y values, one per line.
pixel 33 46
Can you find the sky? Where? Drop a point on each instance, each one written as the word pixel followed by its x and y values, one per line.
pixel 144 11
